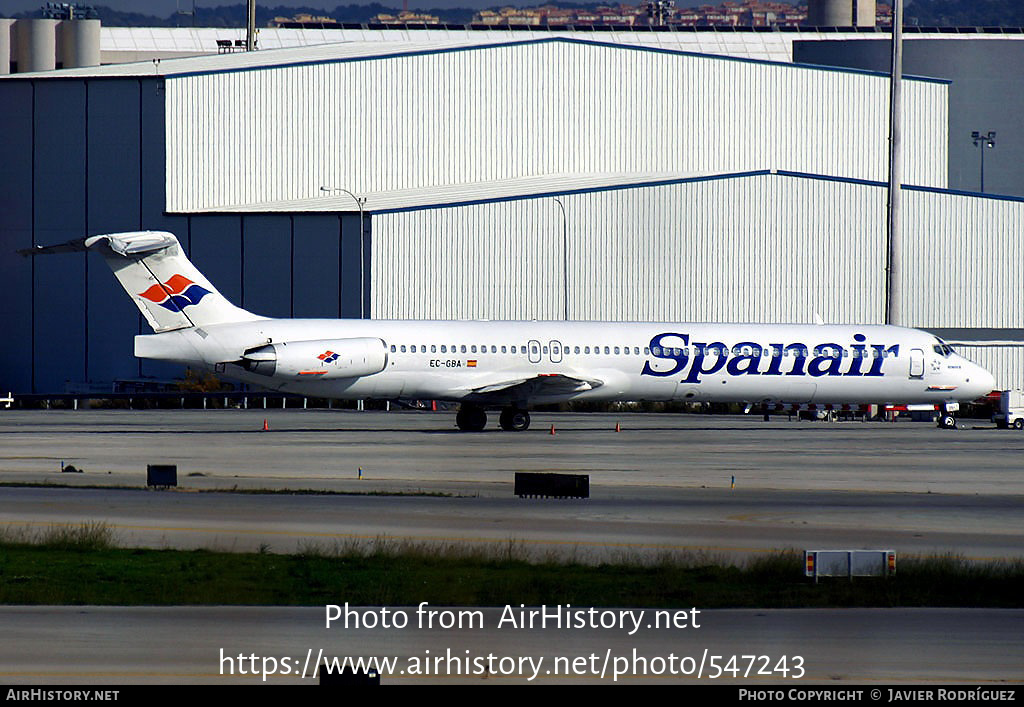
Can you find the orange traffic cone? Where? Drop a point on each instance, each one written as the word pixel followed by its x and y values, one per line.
pixel 266 427
pixel 617 428
pixel 552 429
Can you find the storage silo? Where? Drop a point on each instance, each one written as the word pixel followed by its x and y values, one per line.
pixel 37 45
pixel 5 46
pixel 841 13
pixel 79 43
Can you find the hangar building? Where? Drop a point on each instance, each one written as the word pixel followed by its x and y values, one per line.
pixel 543 178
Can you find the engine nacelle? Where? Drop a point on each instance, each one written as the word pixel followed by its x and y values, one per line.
pixel 318 359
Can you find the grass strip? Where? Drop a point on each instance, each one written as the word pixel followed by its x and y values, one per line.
pixel 82 565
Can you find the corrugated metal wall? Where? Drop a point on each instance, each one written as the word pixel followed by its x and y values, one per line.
pixel 546 107
pixel 968 265
pixel 764 248
pixel 1005 362
pixel 759 248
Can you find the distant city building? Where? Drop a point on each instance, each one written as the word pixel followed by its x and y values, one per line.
pixel 406 18
pixel 729 14
pixel 303 18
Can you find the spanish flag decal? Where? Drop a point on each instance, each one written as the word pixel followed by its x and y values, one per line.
pixel 471 363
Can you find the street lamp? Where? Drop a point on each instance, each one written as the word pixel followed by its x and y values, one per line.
pixel 982 141
pixel 360 202
pixel 565 264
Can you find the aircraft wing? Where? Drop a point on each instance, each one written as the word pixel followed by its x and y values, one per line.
pixel 539 386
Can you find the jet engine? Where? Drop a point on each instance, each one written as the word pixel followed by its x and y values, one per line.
pixel 318 359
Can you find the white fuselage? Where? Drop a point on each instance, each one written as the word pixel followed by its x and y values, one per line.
pixel 495 363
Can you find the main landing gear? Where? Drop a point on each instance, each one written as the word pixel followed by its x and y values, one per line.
pixel 472 418
pixel 514 420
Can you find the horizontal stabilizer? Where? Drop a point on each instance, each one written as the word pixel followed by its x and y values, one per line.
pixel 76 246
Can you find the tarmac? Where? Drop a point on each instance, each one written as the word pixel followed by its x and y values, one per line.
pixel 723 488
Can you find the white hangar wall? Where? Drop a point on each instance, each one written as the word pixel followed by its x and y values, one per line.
pixel 401 120
pixel 1006 362
pixel 965 264
pixel 698 250
pixel 759 247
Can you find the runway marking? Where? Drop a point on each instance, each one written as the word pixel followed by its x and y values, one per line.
pixel 446 539
pixel 422 539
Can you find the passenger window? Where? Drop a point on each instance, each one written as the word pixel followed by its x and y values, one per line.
pixel 616 350
pixel 433 348
pixel 494 349
pixel 586 349
pixel 463 348
pixel 403 348
pixel 576 349
pixel 647 351
pixel 607 351
pixel 444 349
pixel 393 348
pixel 503 349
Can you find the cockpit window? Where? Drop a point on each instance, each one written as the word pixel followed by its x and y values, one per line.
pixel 942 348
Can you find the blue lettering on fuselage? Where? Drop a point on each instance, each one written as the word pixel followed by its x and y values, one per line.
pixel 674 354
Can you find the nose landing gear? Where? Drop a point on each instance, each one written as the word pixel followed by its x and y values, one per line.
pixel 947 420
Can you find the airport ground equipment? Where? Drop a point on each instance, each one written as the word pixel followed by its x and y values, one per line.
pixel 1011 410
pixel 537 485
pixel 162 475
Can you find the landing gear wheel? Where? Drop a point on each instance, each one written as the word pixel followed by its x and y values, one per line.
pixel 514 420
pixel 471 418
pixel 1018 424
pixel 947 422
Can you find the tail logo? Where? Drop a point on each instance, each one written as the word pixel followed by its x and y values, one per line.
pixel 175 294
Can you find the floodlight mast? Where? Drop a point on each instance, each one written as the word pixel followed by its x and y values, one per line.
pixel 983 141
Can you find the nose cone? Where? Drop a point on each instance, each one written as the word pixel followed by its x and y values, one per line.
pixel 978 381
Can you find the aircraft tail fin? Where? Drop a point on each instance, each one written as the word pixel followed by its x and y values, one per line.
pixel 166 287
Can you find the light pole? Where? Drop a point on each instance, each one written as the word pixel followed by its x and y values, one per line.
pixel 894 207
pixel 983 141
pixel 565 263
pixel 360 202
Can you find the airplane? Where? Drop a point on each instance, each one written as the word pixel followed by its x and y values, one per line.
pixel 514 365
